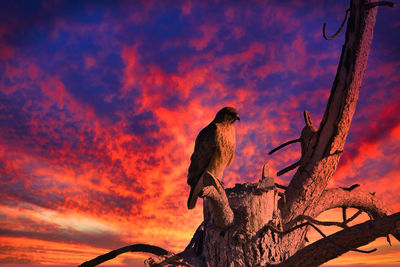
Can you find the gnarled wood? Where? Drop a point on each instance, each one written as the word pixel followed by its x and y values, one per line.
pixel 321 158
pixel 324 250
pixel 218 204
pixel 357 198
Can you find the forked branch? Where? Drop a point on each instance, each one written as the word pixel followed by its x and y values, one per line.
pixel 356 198
pixel 324 148
pixel 352 237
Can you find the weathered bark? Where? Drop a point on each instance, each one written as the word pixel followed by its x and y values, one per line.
pixel 217 202
pixel 245 243
pixel 357 198
pixel 255 225
pixel 326 249
pixel 323 148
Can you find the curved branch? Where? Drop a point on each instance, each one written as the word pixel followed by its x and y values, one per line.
pixel 132 248
pixel 381 3
pixel 289 168
pixel 283 145
pixel 352 237
pixel 356 198
pixel 338 31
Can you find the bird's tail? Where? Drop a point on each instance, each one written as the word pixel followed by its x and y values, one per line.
pixel 194 193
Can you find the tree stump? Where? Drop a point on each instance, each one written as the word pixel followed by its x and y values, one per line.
pixel 246 242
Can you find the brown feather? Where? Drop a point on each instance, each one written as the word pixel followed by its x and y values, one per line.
pixel 213 152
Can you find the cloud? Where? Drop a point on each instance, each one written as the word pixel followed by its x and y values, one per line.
pixel 100 104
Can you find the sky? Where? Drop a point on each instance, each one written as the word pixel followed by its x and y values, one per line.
pixel 101 102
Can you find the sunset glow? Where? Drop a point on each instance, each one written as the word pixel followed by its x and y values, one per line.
pixel 101 102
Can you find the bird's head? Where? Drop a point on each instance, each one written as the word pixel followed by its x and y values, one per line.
pixel 227 114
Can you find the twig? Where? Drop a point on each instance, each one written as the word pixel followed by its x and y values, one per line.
pixel 287 169
pixel 351 187
pixel 339 30
pixel 307 119
pixel 314 221
pixel 283 145
pixel 281 186
pixel 272 228
pixel 132 248
pixel 370 215
pixel 353 217
pixel 381 3
pixel 388 240
pixel 324 223
pixel 344 215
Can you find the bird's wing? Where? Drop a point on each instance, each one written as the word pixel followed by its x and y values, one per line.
pixel 232 150
pixel 204 149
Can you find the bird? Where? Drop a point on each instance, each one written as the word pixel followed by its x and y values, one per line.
pixel 213 151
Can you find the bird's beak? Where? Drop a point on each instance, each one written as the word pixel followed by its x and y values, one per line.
pixel 238 118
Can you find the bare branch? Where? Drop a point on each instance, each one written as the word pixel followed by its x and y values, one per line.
pixel 388 240
pixel 314 221
pixel 283 145
pixel 381 3
pixel 352 237
pixel 338 245
pixel 311 223
pixel 339 30
pixel 132 248
pixel 321 149
pixel 284 187
pixel 358 213
pixel 351 187
pixel 356 198
pixel 344 214
pixel 289 168
pixel 307 118
pixel 285 232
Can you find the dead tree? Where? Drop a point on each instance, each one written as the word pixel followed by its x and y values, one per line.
pixel 256 224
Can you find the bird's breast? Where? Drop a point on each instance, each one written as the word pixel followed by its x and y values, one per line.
pixel 226 142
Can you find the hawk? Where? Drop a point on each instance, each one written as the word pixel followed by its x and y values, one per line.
pixel 213 151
